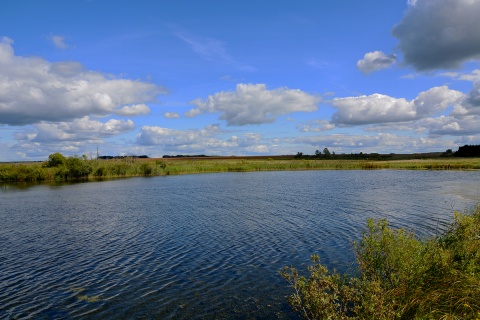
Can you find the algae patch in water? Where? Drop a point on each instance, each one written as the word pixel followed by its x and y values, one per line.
pixel 89 299
pixel 82 297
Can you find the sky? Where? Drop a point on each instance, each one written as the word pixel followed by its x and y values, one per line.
pixel 216 77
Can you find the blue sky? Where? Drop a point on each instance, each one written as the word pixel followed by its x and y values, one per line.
pixel 237 78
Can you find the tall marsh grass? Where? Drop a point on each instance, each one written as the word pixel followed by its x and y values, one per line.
pixel 399 276
pixel 127 167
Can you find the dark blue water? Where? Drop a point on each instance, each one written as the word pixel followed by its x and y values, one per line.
pixel 199 246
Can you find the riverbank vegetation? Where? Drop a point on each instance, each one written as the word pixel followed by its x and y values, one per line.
pixel 57 167
pixel 398 277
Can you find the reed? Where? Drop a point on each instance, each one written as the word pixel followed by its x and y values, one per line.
pixel 128 167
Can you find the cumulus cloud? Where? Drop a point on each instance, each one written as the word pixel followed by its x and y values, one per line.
pixel 133 110
pixel 449 125
pixel 209 140
pixel 59 42
pixel 473 76
pixel 374 61
pixel 34 90
pixel 258 149
pixel 354 143
pixel 77 130
pixel 315 126
pixel 317 64
pixel 471 104
pixel 381 143
pixel 154 135
pixel 171 115
pixel 439 34
pixel 378 108
pixel 254 104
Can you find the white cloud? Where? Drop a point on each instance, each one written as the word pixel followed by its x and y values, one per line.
pixel 374 61
pixel 171 115
pixel 255 104
pixel 175 139
pixel 209 140
pixel 78 130
pixel 473 76
pixel 59 41
pixel 379 143
pixel 317 64
pixel 34 90
pixel 378 108
pixel 435 100
pixel 133 110
pixel 439 34
pixel 315 126
pixel 258 149
pixel 193 112
pixel 449 125
pixel 471 104
pixel 81 136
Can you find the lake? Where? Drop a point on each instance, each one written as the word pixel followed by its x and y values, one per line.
pixel 199 246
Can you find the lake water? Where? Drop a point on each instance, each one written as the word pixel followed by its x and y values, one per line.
pixel 199 246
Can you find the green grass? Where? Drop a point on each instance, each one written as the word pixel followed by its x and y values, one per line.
pixel 398 276
pixel 128 167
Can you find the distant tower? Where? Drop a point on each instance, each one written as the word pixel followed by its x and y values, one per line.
pixel 97 153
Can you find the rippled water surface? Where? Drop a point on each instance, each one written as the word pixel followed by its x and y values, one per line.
pixel 199 246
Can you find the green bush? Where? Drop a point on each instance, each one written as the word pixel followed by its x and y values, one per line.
pixel 399 276
pixel 146 168
pixel 23 172
pixel 161 164
pixel 73 168
pixel 100 172
pixel 118 169
pixel 55 160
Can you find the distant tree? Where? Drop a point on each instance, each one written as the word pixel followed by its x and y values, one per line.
pixel 318 153
pixel 299 155
pixel 55 160
pixel 449 151
pixel 326 152
pixel 468 151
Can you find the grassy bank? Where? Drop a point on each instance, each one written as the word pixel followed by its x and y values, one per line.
pixel 80 168
pixel 398 277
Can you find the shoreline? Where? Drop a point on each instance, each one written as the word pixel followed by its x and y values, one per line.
pixel 94 170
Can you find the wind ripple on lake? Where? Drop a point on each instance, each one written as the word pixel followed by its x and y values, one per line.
pixel 200 246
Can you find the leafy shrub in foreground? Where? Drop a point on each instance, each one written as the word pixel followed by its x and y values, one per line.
pixel 399 277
